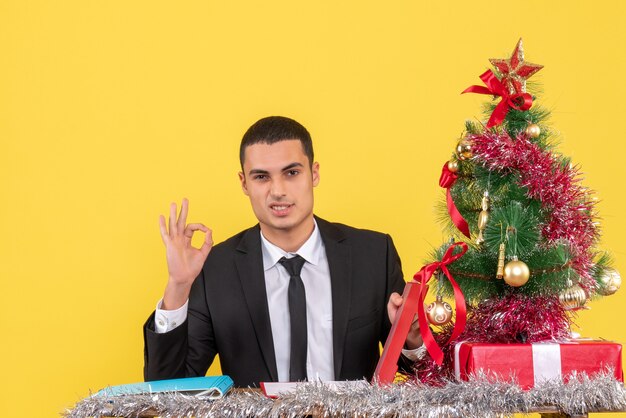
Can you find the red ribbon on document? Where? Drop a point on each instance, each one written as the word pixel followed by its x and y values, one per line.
pixel 422 277
pixel 414 294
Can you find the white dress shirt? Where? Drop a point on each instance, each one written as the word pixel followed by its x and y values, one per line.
pixel 315 275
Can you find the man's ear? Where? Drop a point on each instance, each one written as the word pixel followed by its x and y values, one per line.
pixel 244 185
pixel 315 170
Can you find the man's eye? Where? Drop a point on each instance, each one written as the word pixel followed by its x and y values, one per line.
pixel 260 177
pixel 293 172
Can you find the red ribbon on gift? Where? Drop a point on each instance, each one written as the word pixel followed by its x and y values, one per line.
pixel 422 277
pixel 447 180
pixel 519 101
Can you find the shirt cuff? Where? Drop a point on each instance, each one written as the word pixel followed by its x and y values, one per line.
pixel 415 354
pixel 165 321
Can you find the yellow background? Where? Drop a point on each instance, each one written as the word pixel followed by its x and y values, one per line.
pixel 111 109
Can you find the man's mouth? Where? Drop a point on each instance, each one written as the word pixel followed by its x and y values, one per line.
pixel 281 209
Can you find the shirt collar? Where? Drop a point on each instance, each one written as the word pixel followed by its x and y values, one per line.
pixel 310 250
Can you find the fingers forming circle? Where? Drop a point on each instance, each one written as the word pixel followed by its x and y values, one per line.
pixel 191 228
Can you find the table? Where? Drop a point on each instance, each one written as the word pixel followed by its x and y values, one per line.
pixel 467 400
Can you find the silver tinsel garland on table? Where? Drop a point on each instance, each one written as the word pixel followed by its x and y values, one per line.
pixel 478 398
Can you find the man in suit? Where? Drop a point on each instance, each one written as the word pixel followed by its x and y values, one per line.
pixel 244 300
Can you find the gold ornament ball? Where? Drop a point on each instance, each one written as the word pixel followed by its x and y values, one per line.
pixel 609 283
pixel 464 150
pixel 573 297
pixel 516 273
pixel 533 130
pixel 439 313
pixel 453 166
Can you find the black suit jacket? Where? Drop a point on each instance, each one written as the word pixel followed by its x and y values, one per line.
pixel 228 312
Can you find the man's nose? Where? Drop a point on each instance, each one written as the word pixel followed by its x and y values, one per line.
pixel 277 188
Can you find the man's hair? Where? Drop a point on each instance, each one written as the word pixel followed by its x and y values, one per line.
pixel 274 129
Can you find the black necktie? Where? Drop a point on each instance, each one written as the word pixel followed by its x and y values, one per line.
pixel 297 313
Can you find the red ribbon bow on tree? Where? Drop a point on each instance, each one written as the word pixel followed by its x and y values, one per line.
pixel 422 277
pixel 519 101
pixel 447 180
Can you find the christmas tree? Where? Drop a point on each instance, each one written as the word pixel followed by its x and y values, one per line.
pixel 527 260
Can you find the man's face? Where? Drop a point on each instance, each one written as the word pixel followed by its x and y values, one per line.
pixel 279 181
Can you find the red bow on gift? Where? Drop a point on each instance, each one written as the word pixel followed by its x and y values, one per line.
pixel 422 277
pixel 519 101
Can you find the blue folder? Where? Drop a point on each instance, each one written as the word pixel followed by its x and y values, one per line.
pixel 211 387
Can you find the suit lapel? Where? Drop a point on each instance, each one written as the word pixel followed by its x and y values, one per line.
pixel 249 261
pixel 339 262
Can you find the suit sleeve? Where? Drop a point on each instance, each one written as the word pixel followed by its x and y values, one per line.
pixel 186 351
pixel 395 283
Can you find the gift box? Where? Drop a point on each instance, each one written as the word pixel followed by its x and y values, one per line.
pixel 530 364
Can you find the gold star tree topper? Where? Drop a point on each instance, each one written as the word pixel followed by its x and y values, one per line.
pixel 515 71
